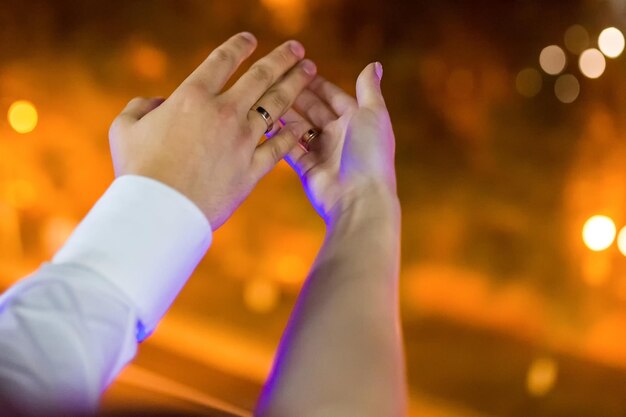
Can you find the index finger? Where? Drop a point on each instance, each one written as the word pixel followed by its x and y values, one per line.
pixel 222 63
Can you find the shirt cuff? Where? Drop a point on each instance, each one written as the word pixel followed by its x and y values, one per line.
pixel 146 239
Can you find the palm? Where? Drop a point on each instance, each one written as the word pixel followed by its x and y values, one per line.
pixel 319 169
pixel 336 162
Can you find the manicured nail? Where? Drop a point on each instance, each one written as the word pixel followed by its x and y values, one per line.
pixel 309 67
pixel 249 36
pixel 379 70
pixel 297 48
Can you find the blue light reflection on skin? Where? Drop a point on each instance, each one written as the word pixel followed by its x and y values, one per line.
pixel 317 208
pixel 280 359
pixel 142 333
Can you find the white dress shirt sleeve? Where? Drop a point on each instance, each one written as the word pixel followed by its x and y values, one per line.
pixel 67 330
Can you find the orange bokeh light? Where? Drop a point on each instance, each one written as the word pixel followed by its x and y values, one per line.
pixel 261 295
pixel 149 62
pixel 541 376
pixel 20 194
pixel 22 116
pixel 289 15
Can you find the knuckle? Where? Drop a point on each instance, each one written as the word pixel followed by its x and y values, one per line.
pixel 193 92
pixel 318 108
pixel 262 74
pixel 279 99
pixel 115 127
pixel 292 131
pixel 226 111
pixel 352 108
pixel 246 131
pixel 284 55
pixel 276 152
pixel 223 56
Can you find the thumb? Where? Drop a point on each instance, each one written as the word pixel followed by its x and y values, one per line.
pixel 134 110
pixel 139 107
pixel 368 91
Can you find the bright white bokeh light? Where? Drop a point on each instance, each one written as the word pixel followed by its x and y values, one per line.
pixel 599 233
pixel 592 63
pixel 611 42
pixel 567 88
pixel 621 241
pixel 552 59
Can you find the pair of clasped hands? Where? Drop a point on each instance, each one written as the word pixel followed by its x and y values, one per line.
pixel 203 140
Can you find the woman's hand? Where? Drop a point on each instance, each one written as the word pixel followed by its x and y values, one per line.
pixel 341 354
pixel 203 141
pixel 353 158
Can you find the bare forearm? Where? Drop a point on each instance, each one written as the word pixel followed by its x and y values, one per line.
pixel 342 352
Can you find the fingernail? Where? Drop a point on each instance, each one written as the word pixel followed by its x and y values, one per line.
pixel 297 48
pixel 379 70
pixel 249 36
pixel 309 67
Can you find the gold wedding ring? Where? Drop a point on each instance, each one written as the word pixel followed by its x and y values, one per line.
pixel 308 138
pixel 266 117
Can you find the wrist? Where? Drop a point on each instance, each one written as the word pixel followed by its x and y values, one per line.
pixel 369 201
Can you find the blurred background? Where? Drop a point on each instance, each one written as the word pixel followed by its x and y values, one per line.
pixel 509 117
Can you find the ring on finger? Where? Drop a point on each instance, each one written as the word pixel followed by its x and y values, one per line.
pixel 307 139
pixel 276 128
pixel 266 117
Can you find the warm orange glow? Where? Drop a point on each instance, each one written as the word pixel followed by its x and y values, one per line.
pixel 261 295
pixel 604 339
pixel 460 84
pixel 22 116
pixel 552 59
pixel 596 268
pixel 620 287
pixel 512 309
pixel 541 376
pixel 599 233
pixel 482 132
pixel 290 269
pixel 20 194
pixel 56 232
pixel 151 381
pixel 216 345
pixel 528 82
pixel 611 42
pixel 289 15
pixel 149 62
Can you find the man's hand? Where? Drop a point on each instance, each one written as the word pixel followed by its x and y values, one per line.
pixel 201 140
pixel 353 158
